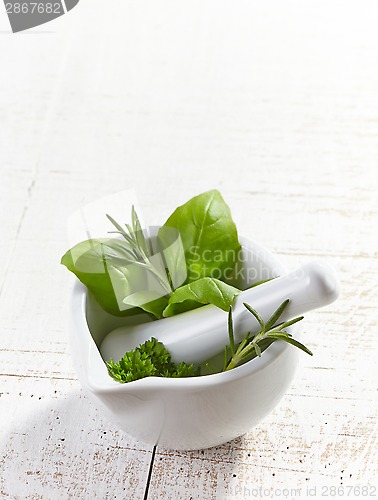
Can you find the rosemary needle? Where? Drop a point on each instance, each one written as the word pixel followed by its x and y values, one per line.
pixel 253 345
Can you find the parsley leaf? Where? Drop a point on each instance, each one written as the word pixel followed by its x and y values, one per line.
pixel 150 359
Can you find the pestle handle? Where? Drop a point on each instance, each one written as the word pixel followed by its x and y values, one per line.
pixel 309 287
pixel 198 335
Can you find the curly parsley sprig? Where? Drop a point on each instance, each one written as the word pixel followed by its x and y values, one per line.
pixel 150 359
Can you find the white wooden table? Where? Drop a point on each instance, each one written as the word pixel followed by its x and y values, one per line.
pixel 275 104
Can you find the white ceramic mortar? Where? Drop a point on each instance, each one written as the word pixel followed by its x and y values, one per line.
pixel 186 413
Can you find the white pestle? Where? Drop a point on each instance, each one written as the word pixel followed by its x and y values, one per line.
pixel 195 336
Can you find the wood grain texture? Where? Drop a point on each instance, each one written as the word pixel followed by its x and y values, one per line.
pixel 276 105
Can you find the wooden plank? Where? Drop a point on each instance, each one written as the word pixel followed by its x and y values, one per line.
pixel 56 444
pixel 275 105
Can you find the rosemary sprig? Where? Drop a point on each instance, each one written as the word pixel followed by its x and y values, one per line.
pixel 254 345
pixel 137 248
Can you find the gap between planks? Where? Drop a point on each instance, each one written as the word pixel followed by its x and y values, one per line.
pixel 145 497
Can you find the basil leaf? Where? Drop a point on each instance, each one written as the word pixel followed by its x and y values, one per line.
pixel 103 266
pixel 170 246
pixel 208 235
pixel 200 292
pixel 150 301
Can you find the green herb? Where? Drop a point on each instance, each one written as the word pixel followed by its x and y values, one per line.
pixel 200 292
pixel 209 236
pixel 94 262
pixel 154 297
pixel 253 345
pixel 138 251
pixel 113 268
pixel 150 359
pixel 125 277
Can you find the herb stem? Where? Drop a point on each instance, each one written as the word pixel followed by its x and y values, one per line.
pixel 253 345
pixel 138 246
